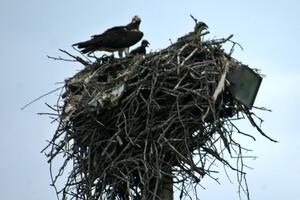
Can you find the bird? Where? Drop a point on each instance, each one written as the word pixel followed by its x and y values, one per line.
pixel 200 26
pixel 118 38
pixel 198 29
pixel 141 50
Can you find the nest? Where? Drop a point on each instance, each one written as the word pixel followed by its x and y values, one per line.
pixel 132 127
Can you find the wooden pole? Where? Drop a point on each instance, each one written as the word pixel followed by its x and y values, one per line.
pixel 166 192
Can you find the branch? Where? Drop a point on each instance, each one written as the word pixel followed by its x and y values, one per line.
pixel 77 58
pixel 221 83
pixel 41 97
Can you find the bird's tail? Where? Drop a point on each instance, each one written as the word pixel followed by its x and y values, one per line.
pixel 87 50
pixel 81 45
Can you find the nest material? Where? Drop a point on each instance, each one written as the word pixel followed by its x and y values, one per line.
pixel 132 126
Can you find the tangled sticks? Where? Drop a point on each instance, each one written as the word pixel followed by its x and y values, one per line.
pixel 132 127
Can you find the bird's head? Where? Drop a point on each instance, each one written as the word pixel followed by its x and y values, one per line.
pixel 136 19
pixel 135 23
pixel 200 26
pixel 145 43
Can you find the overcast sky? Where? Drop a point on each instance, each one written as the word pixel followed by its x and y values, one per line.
pixel 30 30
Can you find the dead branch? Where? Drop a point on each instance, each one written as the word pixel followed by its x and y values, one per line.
pixel 77 58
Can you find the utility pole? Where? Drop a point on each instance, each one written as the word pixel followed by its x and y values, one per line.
pixel 166 192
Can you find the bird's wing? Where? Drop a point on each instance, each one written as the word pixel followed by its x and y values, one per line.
pixel 113 29
pixel 130 37
pixel 112 40
pixel 120 38
pixel 135 51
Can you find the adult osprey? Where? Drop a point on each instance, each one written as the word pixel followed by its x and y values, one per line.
pixel 141 50
pixel 117 38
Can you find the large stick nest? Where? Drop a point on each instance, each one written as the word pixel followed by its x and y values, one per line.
pixel 127 124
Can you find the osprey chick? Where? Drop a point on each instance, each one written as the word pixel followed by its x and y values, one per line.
pixel 196 34
pixel 141 50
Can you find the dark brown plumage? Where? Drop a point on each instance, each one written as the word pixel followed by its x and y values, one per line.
pixel 198 30
pixel 141 50
pixel 200 26
pixel 118 38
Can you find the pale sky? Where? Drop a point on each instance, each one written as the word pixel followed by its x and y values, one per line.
pixel 30 30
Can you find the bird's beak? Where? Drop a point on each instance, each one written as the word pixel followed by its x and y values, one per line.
pixel 136 19
pixel 204 26
pixel 201 26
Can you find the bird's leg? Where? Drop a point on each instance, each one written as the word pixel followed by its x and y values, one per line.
pixel 112 55
pixel 126 51
pixel 120 53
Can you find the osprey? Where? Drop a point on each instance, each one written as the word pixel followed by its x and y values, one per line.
pixel 141 50
pixel 118 38
pixel 199 28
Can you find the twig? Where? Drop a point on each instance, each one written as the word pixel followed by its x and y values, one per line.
pixel 221 83
pixel 195 20
pixel 256 126
pixel 80 60
pixel 61 59
pixel 31 102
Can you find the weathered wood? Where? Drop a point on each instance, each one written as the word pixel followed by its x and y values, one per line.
pixel 166 192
